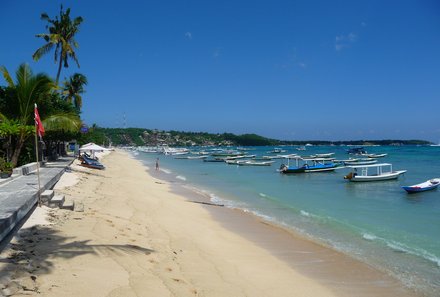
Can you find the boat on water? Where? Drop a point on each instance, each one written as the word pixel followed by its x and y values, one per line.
pixel 325 155
pixel 277 151
pixel 366 161
pixel 375 156
pixel 425 186
pixel 309 165
pixel 217 160
pixel 227 153
pixel 373 172
pixel 191 157
pixel 240 157
pixel 356 151
pixel 254 163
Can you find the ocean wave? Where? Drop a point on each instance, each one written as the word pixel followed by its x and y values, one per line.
pixel 403 248
pixel 181 177
pixel 227 203
pixel 167 171
pixel 369 236
pixel 262 195
pixel 400 247
pixel 260 215
pixel 304 213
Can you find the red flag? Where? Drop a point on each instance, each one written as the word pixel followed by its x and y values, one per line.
pixel 38 123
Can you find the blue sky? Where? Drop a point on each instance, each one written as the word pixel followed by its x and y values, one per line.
pixel 293 70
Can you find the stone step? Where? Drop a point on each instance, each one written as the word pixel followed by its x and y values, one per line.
pixel 46 196
pixel 68 204
pixel 56 201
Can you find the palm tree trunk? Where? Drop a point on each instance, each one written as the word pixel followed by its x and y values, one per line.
pixel 59 69
pixel 17 151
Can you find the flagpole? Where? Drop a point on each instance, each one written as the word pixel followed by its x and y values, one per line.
pixel 38 163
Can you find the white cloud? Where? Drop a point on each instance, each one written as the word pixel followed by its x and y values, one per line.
pixel 352 37
pixel 188 35
pixel 344 41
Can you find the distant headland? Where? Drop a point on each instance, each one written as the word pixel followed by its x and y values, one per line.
pixel 154 137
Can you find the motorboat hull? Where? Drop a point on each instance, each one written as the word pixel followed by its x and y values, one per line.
pixel 422 187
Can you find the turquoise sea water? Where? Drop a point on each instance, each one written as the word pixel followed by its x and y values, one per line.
pixel 376 222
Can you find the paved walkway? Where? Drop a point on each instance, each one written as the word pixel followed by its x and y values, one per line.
pixel 19 194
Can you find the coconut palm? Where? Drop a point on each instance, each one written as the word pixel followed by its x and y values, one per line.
pixel 61 35
pixel 74 88
pixel 27 90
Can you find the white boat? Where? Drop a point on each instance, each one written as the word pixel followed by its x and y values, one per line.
pixel 255 163
pixel 375 156
pixel 326 155
pixel 277 151
pixel 360 162
pixel 196 157
pixel 374 172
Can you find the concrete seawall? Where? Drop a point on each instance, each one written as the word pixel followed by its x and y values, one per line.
pixel 19 194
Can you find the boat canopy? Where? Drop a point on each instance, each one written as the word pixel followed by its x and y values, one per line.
pixel 370 165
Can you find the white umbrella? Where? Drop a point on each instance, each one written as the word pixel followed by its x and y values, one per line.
pixel 92 147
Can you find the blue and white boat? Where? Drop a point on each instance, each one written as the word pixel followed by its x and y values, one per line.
pixel 425 186
pixel 303 166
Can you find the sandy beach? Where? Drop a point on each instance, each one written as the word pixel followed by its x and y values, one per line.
pixel 140 235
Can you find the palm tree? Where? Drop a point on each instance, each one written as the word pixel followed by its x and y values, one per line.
pixel 74 88
pixel 61 35
pixel 27 90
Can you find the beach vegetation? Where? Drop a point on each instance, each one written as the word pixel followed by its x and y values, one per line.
pixel 5 168
pixel 17 116
pixel 74 88
pixel 60 38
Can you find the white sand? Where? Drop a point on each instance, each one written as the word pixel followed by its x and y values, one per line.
pixel 137 238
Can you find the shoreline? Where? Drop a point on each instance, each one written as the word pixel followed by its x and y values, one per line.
pixel 140 236
pixel 309 256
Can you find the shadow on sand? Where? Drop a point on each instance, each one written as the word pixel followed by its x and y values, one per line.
pixel 31 252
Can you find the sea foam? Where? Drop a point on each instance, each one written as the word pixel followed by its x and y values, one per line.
pixel 181 177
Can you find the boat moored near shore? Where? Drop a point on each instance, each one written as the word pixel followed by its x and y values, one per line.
pixel 422 187
pixel 374 172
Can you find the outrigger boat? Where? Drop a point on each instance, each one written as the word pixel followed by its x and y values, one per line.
pixel 425 186
pixel 318 165
pixel 375 172
pixel 356 151
pixel 254 163
pixel 375 156
pixel 360 162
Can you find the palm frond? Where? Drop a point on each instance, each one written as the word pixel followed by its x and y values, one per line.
pixel 44 17
pixel 62 121
pixel 42 51
pixel 7 76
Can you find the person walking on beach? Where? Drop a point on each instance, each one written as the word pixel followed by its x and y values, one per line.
pixel 157 164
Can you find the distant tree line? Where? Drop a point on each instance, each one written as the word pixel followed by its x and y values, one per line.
pixel 149 137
